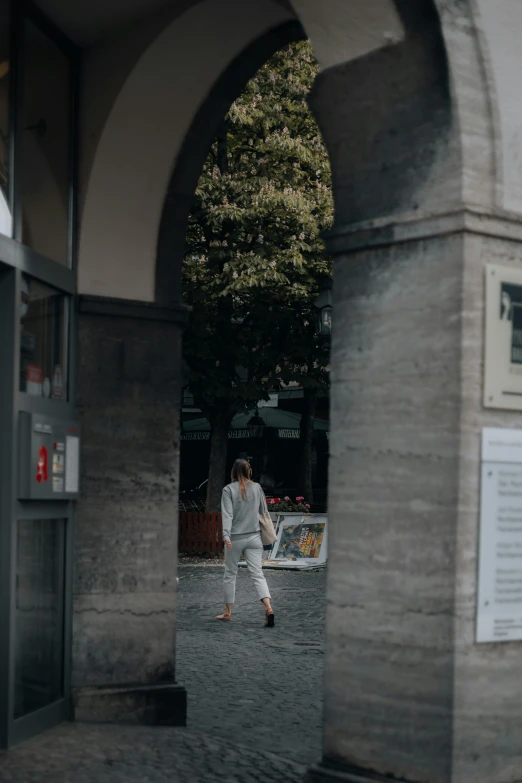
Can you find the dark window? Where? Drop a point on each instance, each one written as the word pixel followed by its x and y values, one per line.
pixel 45 149
pixel 43 359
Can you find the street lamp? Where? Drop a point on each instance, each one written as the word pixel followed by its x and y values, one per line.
pixel 323 307
pixel 257 423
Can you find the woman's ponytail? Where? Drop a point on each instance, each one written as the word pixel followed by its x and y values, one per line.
pixel 242 472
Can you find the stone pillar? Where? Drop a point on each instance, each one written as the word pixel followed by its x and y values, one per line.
pixel 126 521
pixel 409 695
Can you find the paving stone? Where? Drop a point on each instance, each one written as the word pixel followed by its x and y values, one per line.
pixel 82 753
pixel 255 697
pixel 247 683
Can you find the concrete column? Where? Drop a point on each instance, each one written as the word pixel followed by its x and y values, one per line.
pixel 126 521
pixel 409 695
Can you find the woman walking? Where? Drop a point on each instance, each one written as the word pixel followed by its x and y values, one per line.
pixel 241 503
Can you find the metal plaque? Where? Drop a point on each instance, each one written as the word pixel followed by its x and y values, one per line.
pixel 499 602
pixel 503 350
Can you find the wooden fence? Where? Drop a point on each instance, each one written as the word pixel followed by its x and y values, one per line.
pixel 200 533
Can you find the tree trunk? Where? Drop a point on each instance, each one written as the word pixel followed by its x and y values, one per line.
pixel 306 439
pixel 220 423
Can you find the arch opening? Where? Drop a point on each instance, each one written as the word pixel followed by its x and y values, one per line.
pixel 390 115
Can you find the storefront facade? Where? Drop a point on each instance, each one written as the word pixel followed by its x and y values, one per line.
pixel 38 88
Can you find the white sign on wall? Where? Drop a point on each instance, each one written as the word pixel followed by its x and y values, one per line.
pixel 499 602
pixel 503 354
pixel 72 463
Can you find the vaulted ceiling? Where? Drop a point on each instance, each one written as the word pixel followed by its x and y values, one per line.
pixel 88 21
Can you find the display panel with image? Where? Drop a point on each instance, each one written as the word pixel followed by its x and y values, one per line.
pixel 302 540
pixel 43 340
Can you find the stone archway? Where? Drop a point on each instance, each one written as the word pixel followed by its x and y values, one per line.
pixel 184 179
pixel 410 127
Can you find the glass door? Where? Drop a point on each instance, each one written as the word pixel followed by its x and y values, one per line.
pixel 40 618
pixel 39 614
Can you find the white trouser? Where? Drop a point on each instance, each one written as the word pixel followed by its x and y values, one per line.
pixel 253 549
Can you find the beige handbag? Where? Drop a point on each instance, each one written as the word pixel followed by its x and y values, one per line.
pixel 268 534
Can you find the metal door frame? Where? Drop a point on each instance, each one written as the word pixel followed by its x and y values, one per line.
pixel 35 722
pixel 17 259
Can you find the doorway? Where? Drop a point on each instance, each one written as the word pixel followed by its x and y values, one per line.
pixel 35 532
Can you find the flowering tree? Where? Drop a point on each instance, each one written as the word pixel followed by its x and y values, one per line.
pixel 254 256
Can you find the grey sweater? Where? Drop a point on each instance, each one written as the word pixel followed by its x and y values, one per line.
pixel 241 517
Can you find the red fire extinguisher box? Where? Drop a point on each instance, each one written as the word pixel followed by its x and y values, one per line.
pixel 48 458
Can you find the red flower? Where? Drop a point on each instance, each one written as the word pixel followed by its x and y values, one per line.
pixel 277 500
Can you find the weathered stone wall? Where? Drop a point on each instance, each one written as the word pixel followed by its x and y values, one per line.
pixel 126 521
pixel 411 136
pixel 487 704
pixel 388 123
pixel 393 494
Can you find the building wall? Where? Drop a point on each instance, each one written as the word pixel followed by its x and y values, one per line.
pixel 126 522
pixel 498 25
pixel 137 148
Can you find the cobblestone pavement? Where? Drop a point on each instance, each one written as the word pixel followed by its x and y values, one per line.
pixel 246 683
pixel 254 698
pixel 76 753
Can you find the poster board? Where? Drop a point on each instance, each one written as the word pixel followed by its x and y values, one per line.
pixel 309 550
pixel 302 541
pixel 503 339
pixel 499 600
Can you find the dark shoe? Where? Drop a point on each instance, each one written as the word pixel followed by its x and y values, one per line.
pixel 270 620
